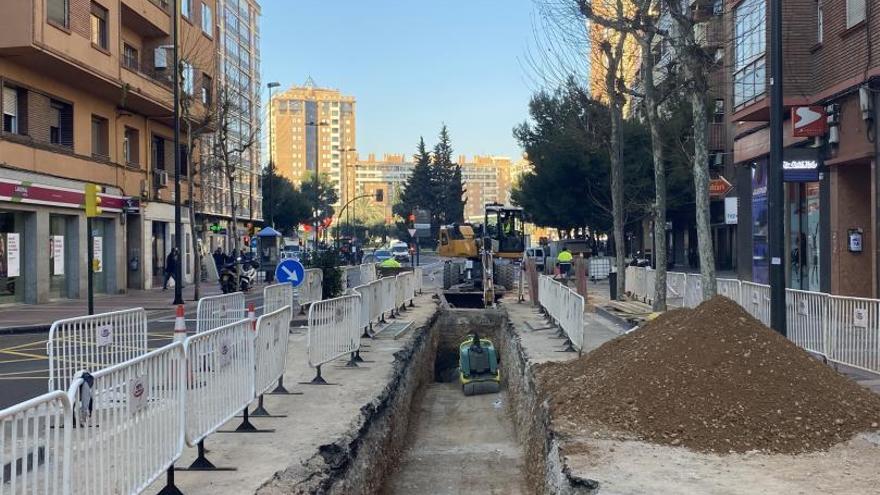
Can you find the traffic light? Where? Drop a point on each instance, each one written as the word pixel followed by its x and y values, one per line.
pixel 93 201
pixel 412 217
pixel 250 229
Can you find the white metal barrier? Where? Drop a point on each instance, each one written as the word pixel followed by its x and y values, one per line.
pixel 806 319
pixel 854 332
pixel 132 416
pixel 368 273
pixel 94 342
pixel 693 292
pixel 565 306
pixel 729 288
pixel 388 294
pixel 369 303
pixel 220 377
pixel 755 299
pixel 675 288
pixel 650 285
pixel 277 296
pixel 334 330
pixel 270 348
pixel 351 276
pixel 311 287
pixel 217 311
pixel 35 443
pixel 629 283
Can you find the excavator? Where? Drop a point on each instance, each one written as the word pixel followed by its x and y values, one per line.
pixel 489 249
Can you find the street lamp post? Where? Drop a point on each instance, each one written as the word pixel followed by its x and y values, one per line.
pixel 272 85
pixel 316 182
pixel 178 224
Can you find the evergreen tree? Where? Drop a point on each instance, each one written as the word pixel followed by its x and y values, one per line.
pixel 419 191
pixel 448 182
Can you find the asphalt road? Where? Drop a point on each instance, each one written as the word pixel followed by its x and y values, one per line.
pixel 24 365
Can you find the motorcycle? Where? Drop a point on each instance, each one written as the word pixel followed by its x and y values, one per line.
pixel 232 279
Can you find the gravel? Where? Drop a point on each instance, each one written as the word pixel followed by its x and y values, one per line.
pixel 712 379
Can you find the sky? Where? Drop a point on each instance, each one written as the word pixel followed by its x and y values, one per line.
pixel 411 64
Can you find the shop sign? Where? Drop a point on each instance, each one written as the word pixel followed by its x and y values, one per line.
pixel 809 121
pixel 730 208
pixel 29 193
pixel 719 187
pixel 10 256
pixel 800 165
pixel 98 250
pixel 56 250
pixel 132 206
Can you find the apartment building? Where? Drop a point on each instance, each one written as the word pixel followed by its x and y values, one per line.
pixel 830 64
pixel 314 130
pixel 86 97
pixel 238 63
pixel 486 180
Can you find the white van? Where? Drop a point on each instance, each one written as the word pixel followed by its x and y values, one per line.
pixel 538 256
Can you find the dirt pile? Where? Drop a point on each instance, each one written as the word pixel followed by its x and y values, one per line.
pixel 711 379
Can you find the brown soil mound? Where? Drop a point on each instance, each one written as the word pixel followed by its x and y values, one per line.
pixel 711 379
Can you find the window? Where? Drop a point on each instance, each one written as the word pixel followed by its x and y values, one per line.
pixel 750 40
pixel 207 89
pixel 820 22
pixel 131 146
pixel 57 12
pixel 184 161
pixel 855 12
pixel 718 116
pixel 99 26
pixel 207 19
pixel 188 75
pixel 130 57
pixel 100 139
pixel 60 123
pixel 157 153
pixel 185 8
pixel 10 110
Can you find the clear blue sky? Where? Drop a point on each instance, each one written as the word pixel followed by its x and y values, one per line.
pixel 411 64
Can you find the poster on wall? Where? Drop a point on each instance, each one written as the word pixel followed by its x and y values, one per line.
pixel 760 250
pixel 13 255
pixel 98 253
pixel 56 250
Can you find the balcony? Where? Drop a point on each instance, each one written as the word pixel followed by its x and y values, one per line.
pixel 148 18
pixel 710 34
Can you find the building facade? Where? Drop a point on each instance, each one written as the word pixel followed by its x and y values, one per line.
pixel 86 97
pixel 314 130
pixel 238 64
pixel 831 226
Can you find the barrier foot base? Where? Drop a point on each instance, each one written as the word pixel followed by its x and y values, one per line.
pixel 357 357
pixel 366 334
pixel 352 361
pixel 203 464
pixel 569 347
pixel 280 390
pixel 411 304
pixel 261 412
pixel 317 380
pixel 170 488
pixel 246 426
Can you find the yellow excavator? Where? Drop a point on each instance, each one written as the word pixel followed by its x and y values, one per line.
pixel 488 249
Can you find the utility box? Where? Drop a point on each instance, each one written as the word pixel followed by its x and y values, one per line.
pixel 269 251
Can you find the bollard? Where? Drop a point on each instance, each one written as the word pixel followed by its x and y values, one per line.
pixel 179 324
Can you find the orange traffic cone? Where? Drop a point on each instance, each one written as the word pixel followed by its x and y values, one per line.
pixel 179 324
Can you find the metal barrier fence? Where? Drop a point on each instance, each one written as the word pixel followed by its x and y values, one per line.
pixel 676 284
pixel 220 377
pixel 629 281
pixel 854 332
pixel 404 289
pixel 132 416
pixel 311 288
pixel 368 273
pixel 598 268
pixel 35 445
pixel 270 348
pixel 806 314
pixel 94 342
pixel 729 288
pixel 217 311
pixel 276 297
pixel 370 307
pixel 566 307
pixel 650 285
pixel 387 295
pixel 693 291
pixel 334 330
pixel 351 276
pixel 755 299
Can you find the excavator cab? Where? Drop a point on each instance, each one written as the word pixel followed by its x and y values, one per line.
pixel 504 230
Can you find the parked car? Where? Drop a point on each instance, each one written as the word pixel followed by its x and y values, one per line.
pixel 382 255
pixel 538 256
pixel 400 251
pixel 291 252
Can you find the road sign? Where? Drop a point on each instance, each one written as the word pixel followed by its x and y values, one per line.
pixel 718 187
pixel 809 121
pixel 412 232
pixel 290 270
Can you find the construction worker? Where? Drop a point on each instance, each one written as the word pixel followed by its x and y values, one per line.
pixel 390 263
pixel 563 260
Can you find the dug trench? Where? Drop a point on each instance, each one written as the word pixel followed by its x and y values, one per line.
pixel 423 435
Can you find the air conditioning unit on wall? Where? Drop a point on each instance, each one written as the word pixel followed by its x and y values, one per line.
pixel 161 178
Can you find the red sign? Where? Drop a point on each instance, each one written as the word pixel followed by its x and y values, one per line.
pixel 28 192
pixel 809 121
pixel 718 187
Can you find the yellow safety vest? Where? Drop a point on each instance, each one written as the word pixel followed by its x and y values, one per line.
pixel 564 257
pixel 390 263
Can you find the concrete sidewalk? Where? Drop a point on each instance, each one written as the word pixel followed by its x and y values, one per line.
pixel 22 318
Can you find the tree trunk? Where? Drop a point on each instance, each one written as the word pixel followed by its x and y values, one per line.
pixel 659 179
pixel 617 191
pixel 197 255
pixel 701 187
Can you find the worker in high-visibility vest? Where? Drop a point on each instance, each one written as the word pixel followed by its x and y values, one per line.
pixel 563 261
pixel 390 263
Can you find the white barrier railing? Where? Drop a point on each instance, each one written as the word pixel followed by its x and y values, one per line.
pixel 94 342
pixel 755 299
pixel 217 311
pixel 806 319
pixel 405 284
pixel 368 273
pixel 132 417
pixel 854 332
pixel 35 443
pixel 419 275
pixel 629 282
pixel 310 289
pixel 334 330
pixel 387 295
pixel 270 348
pixel 369 304
pixel 650 285
pixel 220 377
pixel 351 276
pixel 277 296
pixel 693 292
pixel 676 284
pixel 566 307
pixel 729 288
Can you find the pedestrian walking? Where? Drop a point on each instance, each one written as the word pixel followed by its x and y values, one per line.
pixel 171 263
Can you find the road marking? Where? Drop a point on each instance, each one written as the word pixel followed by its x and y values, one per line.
pixel 18 373
pixel 24 354
pixel 11 361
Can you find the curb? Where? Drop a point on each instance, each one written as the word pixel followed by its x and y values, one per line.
pixel 618 321
pixel 25 329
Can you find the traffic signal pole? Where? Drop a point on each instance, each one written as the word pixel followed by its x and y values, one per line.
pixel 90 266
pixel 775 191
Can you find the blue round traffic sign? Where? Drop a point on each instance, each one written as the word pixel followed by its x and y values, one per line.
pixel 290 270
